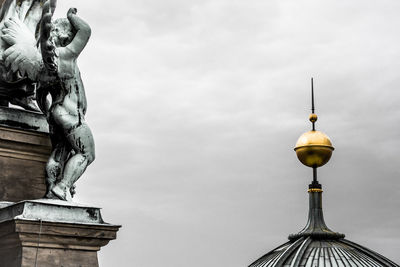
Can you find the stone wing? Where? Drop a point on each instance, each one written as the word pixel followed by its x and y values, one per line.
pixel 22 55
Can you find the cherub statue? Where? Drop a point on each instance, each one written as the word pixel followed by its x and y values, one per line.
pixel 60 43
pixel 73 144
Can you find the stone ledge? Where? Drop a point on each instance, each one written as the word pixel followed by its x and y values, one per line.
pixel 24 120
pixel 50 210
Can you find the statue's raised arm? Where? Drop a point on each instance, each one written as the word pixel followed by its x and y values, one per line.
pixel 82 35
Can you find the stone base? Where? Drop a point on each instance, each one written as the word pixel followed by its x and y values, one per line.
pixel 52 233
pixel 24 150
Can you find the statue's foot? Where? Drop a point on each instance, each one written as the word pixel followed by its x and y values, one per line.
pixel 50 186
pixel 62 192
pixel 26 102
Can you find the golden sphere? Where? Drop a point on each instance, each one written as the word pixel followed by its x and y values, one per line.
pixel 313 117
pixel 314 149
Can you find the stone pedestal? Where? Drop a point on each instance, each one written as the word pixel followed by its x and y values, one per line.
pixel 42 233
pixel 24 149
pixel 52 233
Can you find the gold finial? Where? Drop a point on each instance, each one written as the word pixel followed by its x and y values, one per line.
pixel 314 148
pixel 313 117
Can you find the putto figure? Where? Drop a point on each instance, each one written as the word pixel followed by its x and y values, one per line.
pixel 73 145
pixel 58 76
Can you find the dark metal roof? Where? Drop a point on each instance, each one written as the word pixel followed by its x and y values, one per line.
pixel 318 246
pixel 316 226
pixel 307 251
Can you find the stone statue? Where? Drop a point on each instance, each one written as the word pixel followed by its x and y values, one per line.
pixel 38 56
pixel 17 87
pixel 53 66
pixel 73 144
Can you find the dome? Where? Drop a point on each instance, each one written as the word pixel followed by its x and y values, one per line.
pixel 307 251
pixel 314 148
pixel 317 246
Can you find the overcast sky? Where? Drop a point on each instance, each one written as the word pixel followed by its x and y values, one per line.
pixel 196 106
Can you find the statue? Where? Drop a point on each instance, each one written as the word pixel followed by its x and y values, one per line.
pixel 53 66
pixel 38 71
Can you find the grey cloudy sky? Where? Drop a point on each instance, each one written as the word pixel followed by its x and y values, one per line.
pixel 196 107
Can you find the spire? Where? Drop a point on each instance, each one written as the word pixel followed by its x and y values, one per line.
pixel 313 116
pixel 314 149
pixel 316 227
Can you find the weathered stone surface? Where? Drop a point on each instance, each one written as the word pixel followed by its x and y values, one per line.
pixel 51 210
pixel 23 120
pixel 24 149
pixel 26 240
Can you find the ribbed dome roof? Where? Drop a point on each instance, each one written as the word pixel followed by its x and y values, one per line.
pixel 317 246
pixel 307 251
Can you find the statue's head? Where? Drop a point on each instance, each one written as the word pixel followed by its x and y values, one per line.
pixel 63 32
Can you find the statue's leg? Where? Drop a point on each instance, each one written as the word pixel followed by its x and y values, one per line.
pixel 80 140
pixel 55 165
pixel 27 102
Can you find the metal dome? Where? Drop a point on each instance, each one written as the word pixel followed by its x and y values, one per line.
pixel 317 246
pixel 307 251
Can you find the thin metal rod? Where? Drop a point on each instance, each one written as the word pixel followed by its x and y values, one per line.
pixel 315 181
pixel 312 102
pixel 312 95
